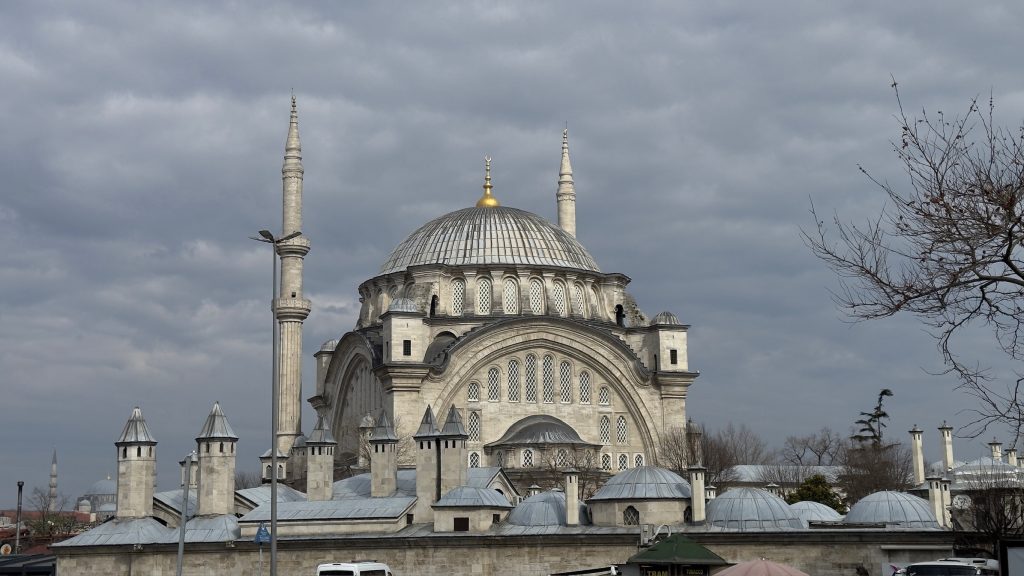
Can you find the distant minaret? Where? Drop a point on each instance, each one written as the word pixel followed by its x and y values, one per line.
pixel 291 308
pixel 566 194
pixel 52 505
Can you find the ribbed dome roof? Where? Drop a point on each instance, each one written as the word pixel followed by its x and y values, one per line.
pixel 886 507
pixel 539 429
pixel 644 483
pixel 493 235
pixel 751 509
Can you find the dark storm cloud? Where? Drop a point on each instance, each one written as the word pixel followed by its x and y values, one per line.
pixel 141 146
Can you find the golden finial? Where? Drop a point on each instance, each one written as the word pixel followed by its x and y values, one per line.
pixel 487 200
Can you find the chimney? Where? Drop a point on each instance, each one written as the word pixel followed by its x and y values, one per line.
pixel 947 445
pixel 320 461
pixel 572 497
pixel 1011 456
pixel 383 458
pixel 996 447
pixel 917 454
pixel 935 498
pixel 428 482
pixel 697 494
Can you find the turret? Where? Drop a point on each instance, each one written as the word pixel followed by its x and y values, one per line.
pixel 136 466
pixel 320 461
pixel 406 337
pixel 216 447
pixel 566 195
pixel 454 467
pixel 428 466
pixel 383 458
pixel 917 454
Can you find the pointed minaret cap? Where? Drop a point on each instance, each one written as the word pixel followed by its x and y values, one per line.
pixel 292 147
pixel 135 431
pixel 428 426
pixel 321 434
pixel 487 200
pixel 453 427
pixel 565 184
pixel 217 426
pixel 383 432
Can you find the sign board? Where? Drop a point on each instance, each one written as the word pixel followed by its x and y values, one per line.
pixel 262 535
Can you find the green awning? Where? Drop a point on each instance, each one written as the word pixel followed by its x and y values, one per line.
pixel 678 550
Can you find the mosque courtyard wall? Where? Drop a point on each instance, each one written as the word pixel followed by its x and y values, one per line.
pixel 824 553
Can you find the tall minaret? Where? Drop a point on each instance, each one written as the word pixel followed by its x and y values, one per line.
pixel 291 308
pixel 52 505
pixel 566 194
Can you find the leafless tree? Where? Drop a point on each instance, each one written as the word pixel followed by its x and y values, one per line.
pixel 717 451
pixel 947 247
pixel 991 509
pixel 50 521
pixel 818 449
pixel 869 467
pixel 247 479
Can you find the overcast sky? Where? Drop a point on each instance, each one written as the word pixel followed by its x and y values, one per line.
pixel 141 145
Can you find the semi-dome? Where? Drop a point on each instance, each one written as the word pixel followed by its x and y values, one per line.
pixel 751 509
pixel 490 235
pixel 892 508
pixel 539 429
pixel 544 509
pixel 644 483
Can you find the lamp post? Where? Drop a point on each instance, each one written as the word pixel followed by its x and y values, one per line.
pixel 188 466
pixel 267 237
pixel 17 524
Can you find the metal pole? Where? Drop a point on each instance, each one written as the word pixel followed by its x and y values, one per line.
pixel 186 480
pixel 273 418
pixel 17 525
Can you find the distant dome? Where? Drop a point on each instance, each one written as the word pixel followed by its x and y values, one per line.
pixel 495 235
pixel 938 468
pixel 544 509
pixel 329 346
pixel 815 512
pixel 751 509
pixel 894 508
pixel 644 483
pixel 103 487
pixel 473 497
pixel 665 318
pixel 402 305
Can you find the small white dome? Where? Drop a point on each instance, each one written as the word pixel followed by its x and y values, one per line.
pixel 751 509
pixel 894 508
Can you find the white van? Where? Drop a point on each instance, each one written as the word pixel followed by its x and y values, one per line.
pixel 353 569
pixel 954 567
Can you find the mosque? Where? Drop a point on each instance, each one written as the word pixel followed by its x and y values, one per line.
pixel 489 348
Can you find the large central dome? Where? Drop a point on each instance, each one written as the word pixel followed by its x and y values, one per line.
pixel 490 235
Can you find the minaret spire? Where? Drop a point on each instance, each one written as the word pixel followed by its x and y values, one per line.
pixel 52 504
pixel 566 195
pixel 291 308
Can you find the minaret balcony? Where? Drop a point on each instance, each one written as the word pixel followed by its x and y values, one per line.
pixel 292 308
pixel 298 246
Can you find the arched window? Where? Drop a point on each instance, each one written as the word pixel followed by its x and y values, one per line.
pixel 280 471
pixel 606 430
pixel 578 299
pixel 584 387
pixel 458 296
pixel 536 296
pixel 473 427
pixel 621 430
pixel 549 380
pixel 493 386
pixel 565 380
pixel 531 378
pixel 638 460
pixel 474 459
pixel 623 461
pixel 527 458
pixel 513 380
pixel 483 296
pixel 500 458
pixel 558 298
pixel 630 516
pixel 562 458
pixel 606 462
pixel 510 296
pixel 473 392
pixel 433 305
pixel 620 315
pixel 604 397
pixel 267 473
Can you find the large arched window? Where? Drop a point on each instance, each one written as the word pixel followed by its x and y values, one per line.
pixel 558 298
pixel 549 380
pixel 621 430
pixel 473 392
pixel 474 459
pixel 606 462
pixel 458 296
pixel 623 461
pixel 510 296
pixel 493 385
pixel 536 296
pixel 578 299
pixel 483 297
pixel 606 430
pixel 531 378
pixel 513 380
pixel 584 387
pixel 630 516
pixel 604 397
pixel 473 427
pixel 565 381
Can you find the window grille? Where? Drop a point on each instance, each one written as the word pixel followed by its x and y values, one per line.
pixel 631 516
pixel 562 459
pixel 510 296
pixel 584 387
pixel 493 387
pixel 527 458
pixel 474 460
pixel 606 462
pixel 606 430
pixel 673 356
pixel 473 427
pixel 623 461
pixel 473 392
pixel 638 460
pixel 536 296
pixel 531 378
pixel 565 380
pixel 621 431
pixel 558 298
pixel 500 456
pixel 577 299
pixel 483 296
pixel 458 296
pixel 513 380
pixel 549 380
pixel 604 396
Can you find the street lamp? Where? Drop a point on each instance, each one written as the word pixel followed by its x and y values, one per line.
pixel 267 237
pixel 17 525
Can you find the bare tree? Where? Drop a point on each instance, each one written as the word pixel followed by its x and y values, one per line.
pixel 719 452
pixel 991 510
pixel 946 248
pixel 818 449
pixel 247 479
pixel 51 521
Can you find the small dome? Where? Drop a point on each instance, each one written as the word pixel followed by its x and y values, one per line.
pixel 103 487
pixel 815 512
pixel 329 346
pixel 665 318
pixel 985 465
pixel 644 483
pixel 938 468
pixel 473 497
pixel 299 442
pixel 895 508
pixel 403 305
pixel 751 509
pixel 544 509
pixel 84 506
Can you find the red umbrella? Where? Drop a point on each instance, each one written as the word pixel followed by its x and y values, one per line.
pixel 760 567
